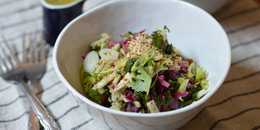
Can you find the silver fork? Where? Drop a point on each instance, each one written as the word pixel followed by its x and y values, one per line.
pixel 34 70
pixel 12 71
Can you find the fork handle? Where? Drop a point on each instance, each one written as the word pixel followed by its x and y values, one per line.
pixel 33 123
pixel 46 120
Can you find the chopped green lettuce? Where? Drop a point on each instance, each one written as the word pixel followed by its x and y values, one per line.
pixel 204 84
pixel 180 80
pixel 127 35
pixel 142 81
pixel 121 62
pixel 199 74
pixel 101 40
pixel 192 70
pixel 91 80
pixel 142 60
pixel 183 85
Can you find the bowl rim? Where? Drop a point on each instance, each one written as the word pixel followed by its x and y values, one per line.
pixel 130 114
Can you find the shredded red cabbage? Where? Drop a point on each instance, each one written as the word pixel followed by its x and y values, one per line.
pixel 83 57
pixel 153 98
pixel 175 98
pixel 163 97
pixel 113 86
pixel 177 95
pixel 191 80
pixel 161 89
pixel 163 107
pixel 124 43
pixel 139 32
pixel 131 107
pixel 142 31
pixel 184 67
pixel 161 80
pixel 174 105
pixel 111 42
pixel 164 43
pixel 188 85
pixel 130 97
pixel 184 94
pixel 174 73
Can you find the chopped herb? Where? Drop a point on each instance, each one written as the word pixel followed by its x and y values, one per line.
pixel 164 65
pixel 180 103
pixel 139 95
pixel 164 48
pixel 169 49
pixel 142 111
pixel 189 96
pixel 134 79
pixel 131 109
pixel 174 83
pixel 105 46
pixel 107 91
pixel 167 98
pixel 151 63
pixel 186 103
pixel 129 64
pixel 195 96
pixel 157 39
pixel 165 28
pixel 130 33
pixel 95 48
pixel 119 72
pixel 195 89
pixel 95 95
pixel 90 80
pixel 127 35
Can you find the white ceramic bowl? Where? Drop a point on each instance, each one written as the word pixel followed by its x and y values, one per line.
pixel 198 35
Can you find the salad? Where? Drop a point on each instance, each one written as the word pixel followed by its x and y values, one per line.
pixel 141 73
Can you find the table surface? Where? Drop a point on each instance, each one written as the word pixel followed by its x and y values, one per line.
pixel 236 104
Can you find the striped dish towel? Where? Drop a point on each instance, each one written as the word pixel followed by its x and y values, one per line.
pixel 16 17
pixel 235 106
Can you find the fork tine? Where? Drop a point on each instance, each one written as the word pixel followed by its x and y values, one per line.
pixel 2 66
pixel 14 60
pixel 31 49
pixel 36 55
pixel 24 50
pixel 7 64
pixel 42 49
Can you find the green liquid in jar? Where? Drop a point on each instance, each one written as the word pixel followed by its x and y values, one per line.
pixel 59 2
